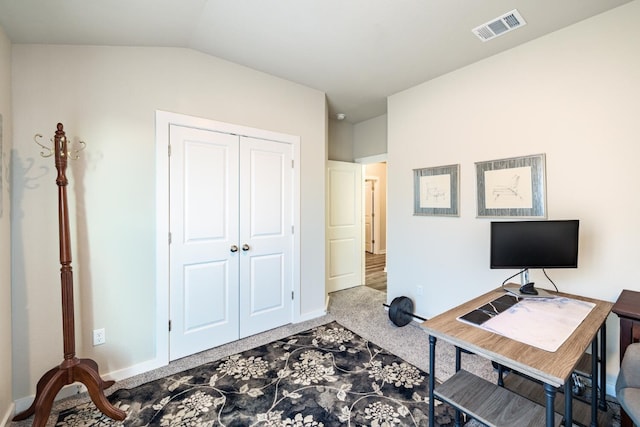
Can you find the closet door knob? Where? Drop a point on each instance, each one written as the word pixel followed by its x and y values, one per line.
pixel 245 247
pixel 234 248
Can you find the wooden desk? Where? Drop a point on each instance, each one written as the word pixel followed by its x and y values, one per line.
pixel 553 369
pixel 627 307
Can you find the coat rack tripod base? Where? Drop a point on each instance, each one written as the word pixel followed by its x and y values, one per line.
pixel 72 369
pixel 84 371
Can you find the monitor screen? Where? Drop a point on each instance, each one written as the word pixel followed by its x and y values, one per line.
pixel 534 244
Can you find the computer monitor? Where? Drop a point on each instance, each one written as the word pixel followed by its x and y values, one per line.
pixel 534 244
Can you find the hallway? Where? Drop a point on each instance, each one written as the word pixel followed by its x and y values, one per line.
pixel 375 276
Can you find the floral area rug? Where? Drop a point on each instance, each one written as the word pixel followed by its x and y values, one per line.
pixel 326 376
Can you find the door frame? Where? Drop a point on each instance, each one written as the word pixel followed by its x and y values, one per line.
pixel 163 120
pixel 378 158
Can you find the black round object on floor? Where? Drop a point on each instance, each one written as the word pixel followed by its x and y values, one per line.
pixel 401 311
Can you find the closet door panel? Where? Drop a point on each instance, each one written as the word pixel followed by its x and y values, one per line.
pixel 267 273
pixel 204 304
pixel 204 227
pixel 266 218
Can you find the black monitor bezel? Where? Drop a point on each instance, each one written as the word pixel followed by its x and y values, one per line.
pixel 569 260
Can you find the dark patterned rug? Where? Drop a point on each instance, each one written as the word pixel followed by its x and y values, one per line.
pixel 327 376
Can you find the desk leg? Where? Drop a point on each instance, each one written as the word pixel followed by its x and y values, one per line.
pixel 458 422
pixel 568 404
pixel 550 393
pixel 603 367
pixel 500 375
pixel 594 381
pixel 432 379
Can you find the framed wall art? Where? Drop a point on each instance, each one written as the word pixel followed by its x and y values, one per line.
pixel 1 171
pixel 436 191
pixel 513 187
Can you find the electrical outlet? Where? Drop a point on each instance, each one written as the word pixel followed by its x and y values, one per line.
pixel 419 291
pixel 99 336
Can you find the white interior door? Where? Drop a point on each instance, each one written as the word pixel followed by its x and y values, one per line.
pixel 203 218
pixel 345 248
pixel 266 235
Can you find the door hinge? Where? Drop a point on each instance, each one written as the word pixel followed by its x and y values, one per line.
pixel 169 325
pixel 291 294
pixel 292 230
pixel 292 164
pixel 169 237
pixel 169 150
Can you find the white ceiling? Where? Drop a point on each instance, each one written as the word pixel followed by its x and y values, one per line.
pixel 357 51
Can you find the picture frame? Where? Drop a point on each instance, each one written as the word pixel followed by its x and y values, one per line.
pixel 1 171
pixel 512 187
pixel 436 191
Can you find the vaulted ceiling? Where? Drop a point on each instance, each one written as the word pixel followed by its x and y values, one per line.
pixel 356 51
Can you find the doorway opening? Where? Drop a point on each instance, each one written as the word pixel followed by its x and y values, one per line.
pixel 375 224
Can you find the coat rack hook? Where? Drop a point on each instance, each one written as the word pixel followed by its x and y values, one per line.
pixel 48 152
pixel 75 155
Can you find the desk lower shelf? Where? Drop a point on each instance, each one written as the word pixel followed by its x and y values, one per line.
pixel 489 403
pixel 534 392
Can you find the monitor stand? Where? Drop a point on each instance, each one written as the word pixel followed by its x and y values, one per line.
pixel 514 289
pixel 526 289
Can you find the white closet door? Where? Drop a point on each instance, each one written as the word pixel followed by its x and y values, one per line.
pixel 204 229
pixel 266 235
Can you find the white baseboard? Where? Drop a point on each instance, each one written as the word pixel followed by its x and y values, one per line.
pixel 138 369
pixel 310 316
pixel 23 403
pixel 5 421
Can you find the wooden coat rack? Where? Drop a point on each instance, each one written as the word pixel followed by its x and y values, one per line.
pixel 71 369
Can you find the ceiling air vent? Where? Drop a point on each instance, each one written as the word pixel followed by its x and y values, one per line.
pixel 499 26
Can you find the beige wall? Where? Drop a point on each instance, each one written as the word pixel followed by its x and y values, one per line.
pixel 370 137
pixel 574 95
pixel 5 230
pixel 340 140
pixel 107 96
pixel 348 142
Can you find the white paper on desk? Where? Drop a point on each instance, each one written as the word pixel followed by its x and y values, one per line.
pixel 540 322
